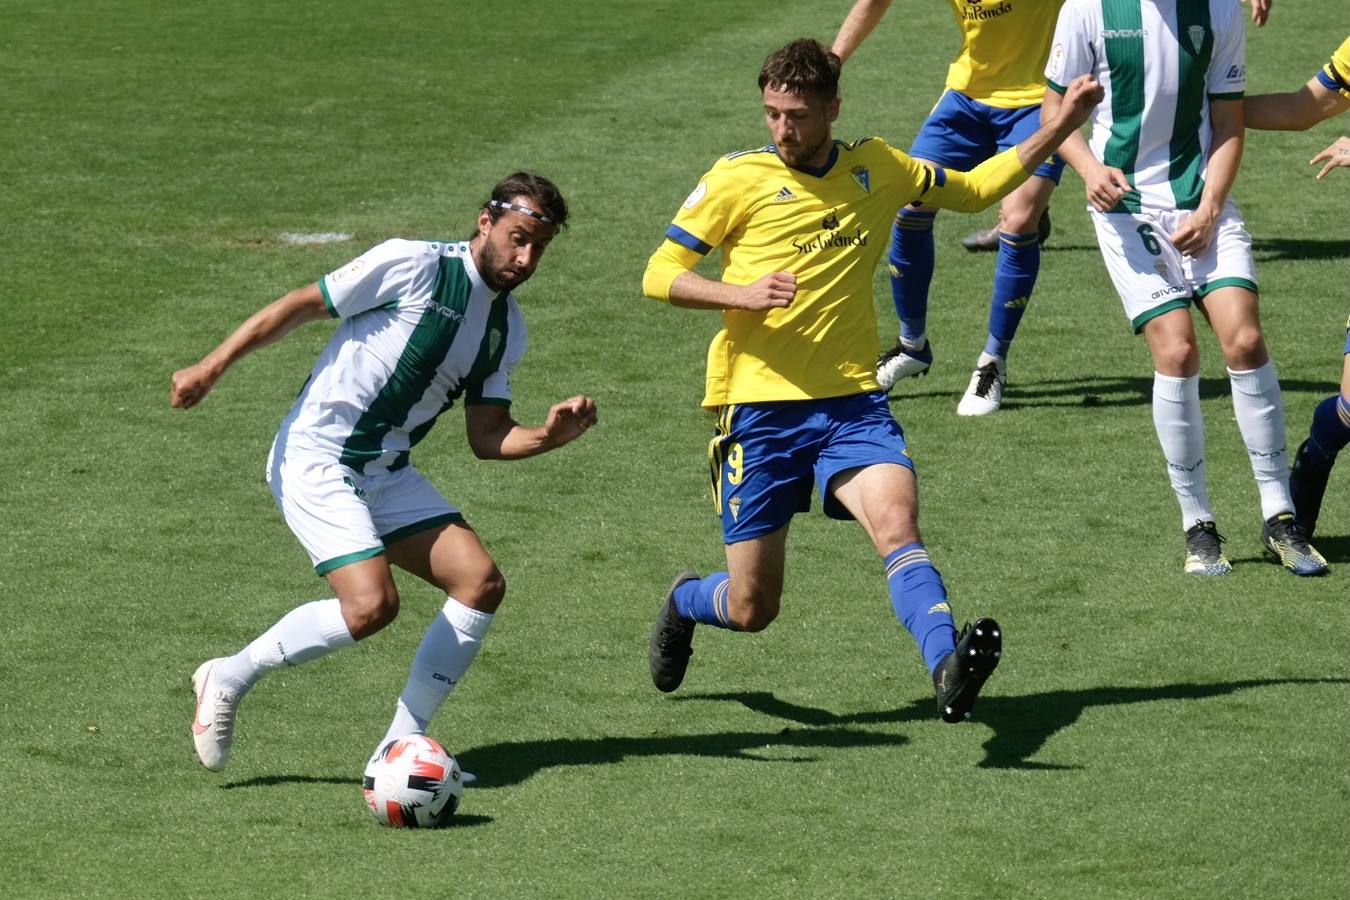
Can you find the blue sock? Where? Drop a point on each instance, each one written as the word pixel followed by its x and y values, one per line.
pixel 911 259
pixel 1330 428
pixel 705 600
pixel 920 601
pixel 1019 261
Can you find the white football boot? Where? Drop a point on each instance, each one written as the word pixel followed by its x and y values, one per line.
pixel 213 721
pixel 985 393
pixel 903 362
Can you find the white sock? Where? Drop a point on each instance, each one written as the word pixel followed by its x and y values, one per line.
pixel 1181 432
pixel 447 649
pixel 305 633
pixel 987 358
pixel 1259 407
pixel 915 344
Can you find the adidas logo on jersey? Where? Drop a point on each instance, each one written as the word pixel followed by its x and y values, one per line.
pixel 784 195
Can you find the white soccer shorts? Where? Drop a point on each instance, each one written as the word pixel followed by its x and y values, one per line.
pixel 1150 274
pixel 341 516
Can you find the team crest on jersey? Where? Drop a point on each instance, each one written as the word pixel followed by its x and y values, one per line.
pixel 861 176
pixel 734 504
pixel 1057 60
pixel 830 222
pixel 696 195
pixel 351 270
pixel 1197 35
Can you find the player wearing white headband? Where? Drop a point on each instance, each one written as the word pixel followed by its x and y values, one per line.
pixel 423 324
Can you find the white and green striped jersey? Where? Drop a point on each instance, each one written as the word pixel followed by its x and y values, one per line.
pixel 419 330
pixel 1161 62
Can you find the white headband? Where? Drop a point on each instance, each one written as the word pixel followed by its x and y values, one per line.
pixel 503 204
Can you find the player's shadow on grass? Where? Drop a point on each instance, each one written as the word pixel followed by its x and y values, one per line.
pixel 1086 392
pixel 1301 249
pixel 1263 249
pixel 273 780
pixel 1108 391
pixel 1335 548
pixel 1021 725
pixel 459 820
pixel 498 765
pixel 1068 393
pixel 1053 246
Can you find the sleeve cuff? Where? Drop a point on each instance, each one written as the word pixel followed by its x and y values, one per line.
pixel 327 300
pixel 685 239
pixel 1326 77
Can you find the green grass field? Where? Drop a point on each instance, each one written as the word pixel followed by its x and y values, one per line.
pixel 1148 734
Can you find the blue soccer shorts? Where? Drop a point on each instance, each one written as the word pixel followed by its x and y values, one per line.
pixel 960 133
pixel 764 457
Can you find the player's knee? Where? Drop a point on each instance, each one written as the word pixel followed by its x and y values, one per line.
pixel 1245 348
pixel 368 611
pixel 753 619
pixel 1018 217
pixel 754 612
pixel 899 532
pixel 1176 356
pixel 486 591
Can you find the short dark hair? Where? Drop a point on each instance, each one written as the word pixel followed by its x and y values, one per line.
pixel 804 66
pixel 536 187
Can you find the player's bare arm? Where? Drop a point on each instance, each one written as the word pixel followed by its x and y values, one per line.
pixel 1196 231
pixel 1260 11
pixel 1294 110
pixel 773 291
pixel 858 24
pixel 1335 156
pixel 1106 185
pixel 493 434
pixel 1074 107
pixel 269 324
pixel 997 176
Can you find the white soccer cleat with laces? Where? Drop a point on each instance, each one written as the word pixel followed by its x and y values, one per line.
pixel 213 721
pixel 985 393
pixel 903 362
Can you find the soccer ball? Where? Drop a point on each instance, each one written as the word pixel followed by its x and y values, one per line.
pixel 412 782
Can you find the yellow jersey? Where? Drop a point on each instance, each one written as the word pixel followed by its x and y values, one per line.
pixel 1335 75
pixel 1004 46
pixel 827 226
